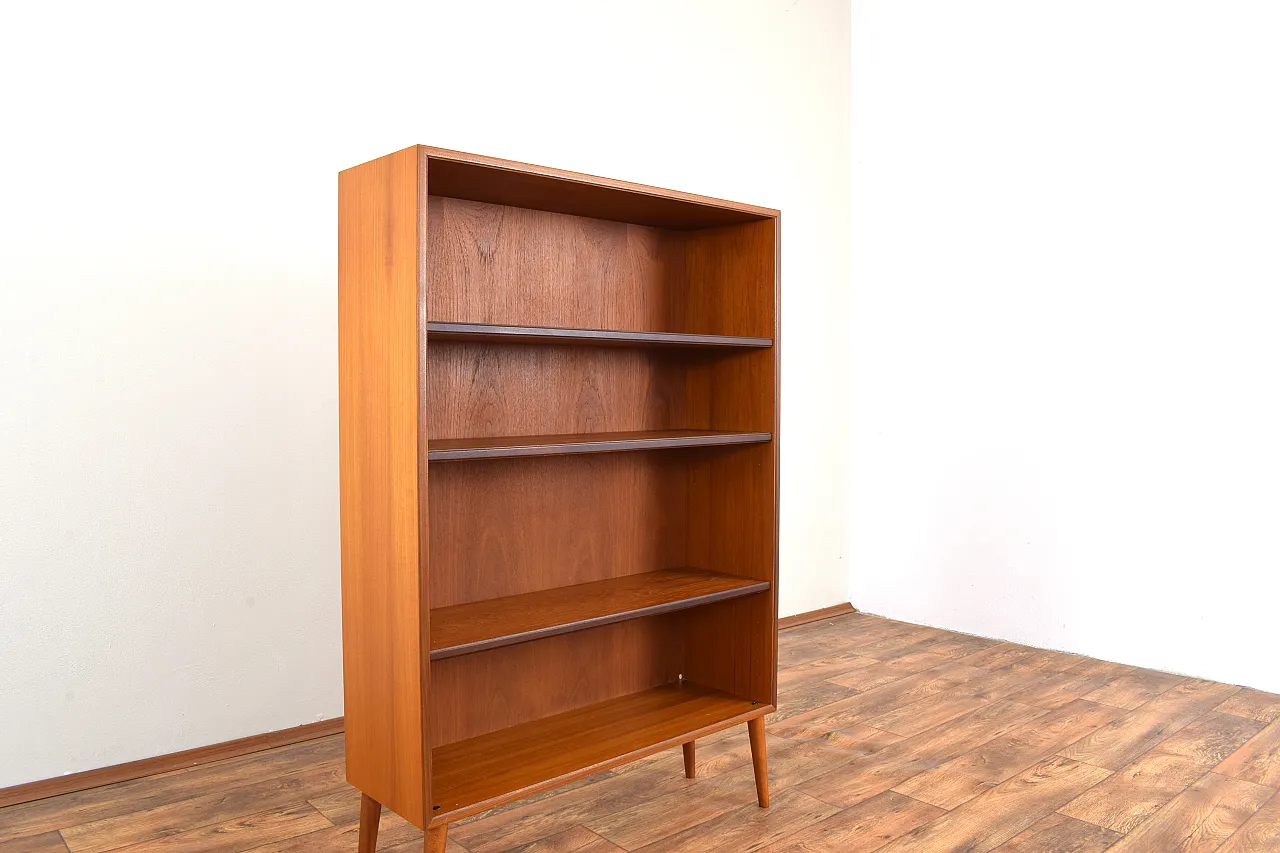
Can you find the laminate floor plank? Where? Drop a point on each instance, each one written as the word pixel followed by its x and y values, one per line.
pixel 990 819
pixel 213 808
pixel 998 760
pixel 880 700
pixel 45 842
pixel 1142 787
pixel 888 738
pixel 1254 704
pixel 820 669
pixel 576 839
pixel 1116 745
pixel 1060 688
pixel 850 783
pixel 1259 834
pixel 241 833
pixel 1258 759
pixel 860 829
pixel 1134 688
pixel 923 714
pixel 748 828
pixel 1198 820
pixel 137 795
pixel 1058 833
pixel 886 672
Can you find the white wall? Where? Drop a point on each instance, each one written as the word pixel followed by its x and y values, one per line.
pixel 1066 310
pixel 168 442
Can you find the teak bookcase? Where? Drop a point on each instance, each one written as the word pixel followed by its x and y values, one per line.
pixel 559 478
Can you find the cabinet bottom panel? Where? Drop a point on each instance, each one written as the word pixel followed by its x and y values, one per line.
pixel 481 772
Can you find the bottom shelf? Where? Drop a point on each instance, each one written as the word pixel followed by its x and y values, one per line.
pixel 477 773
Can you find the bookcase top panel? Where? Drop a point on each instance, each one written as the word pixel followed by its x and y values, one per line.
pixel 454 174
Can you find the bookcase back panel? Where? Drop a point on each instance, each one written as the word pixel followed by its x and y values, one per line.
pixel 481 390
pixel 489 263
pixel 480 693
pixel 511 526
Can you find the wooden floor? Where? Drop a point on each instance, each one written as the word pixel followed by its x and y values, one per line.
pixel 889 737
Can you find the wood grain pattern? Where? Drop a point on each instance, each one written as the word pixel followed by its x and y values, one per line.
pixel 124 798
pixel 1142 787
pixel 1258 760
pixel 860 829
pixel 1259 834
pixel 863 778
pixel 1060 834
pixel 504 447
pixel 262 800
pixel 505 265
pixel 941 707
pixel 203 809
pixel 1134 688
pixel 45 842
pixel 384 616
pixel 483 391
pixel 992 818
pixel 748 828
pixel 467 628
pixel 241 833
pixel 1116 745
pixel 548 751
pixel 515 526
pixel 962 778
pixel 1254 704
pixel 491 333
pixel 1199 819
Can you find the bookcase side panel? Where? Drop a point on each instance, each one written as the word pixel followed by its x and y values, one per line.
pixel 379 280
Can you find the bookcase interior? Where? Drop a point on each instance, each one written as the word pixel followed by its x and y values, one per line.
pixel 503 530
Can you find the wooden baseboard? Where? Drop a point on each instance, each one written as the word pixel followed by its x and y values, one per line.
pixel 164 763
pixel 815 615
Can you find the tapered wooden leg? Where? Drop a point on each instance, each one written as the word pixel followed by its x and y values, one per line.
pixel 755 729
pixel 370 814
pixel 690 768
pixel 436 837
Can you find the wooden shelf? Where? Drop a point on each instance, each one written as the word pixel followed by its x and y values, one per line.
pixel 470 774
pixel 466 628
pixel 491 333
pixel 445 449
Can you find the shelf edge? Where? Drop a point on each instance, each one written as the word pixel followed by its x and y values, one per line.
pixel 597 446
pixel 497 332
pixel 598 621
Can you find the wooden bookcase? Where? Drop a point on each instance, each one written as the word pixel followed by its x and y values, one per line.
pixel 559 478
